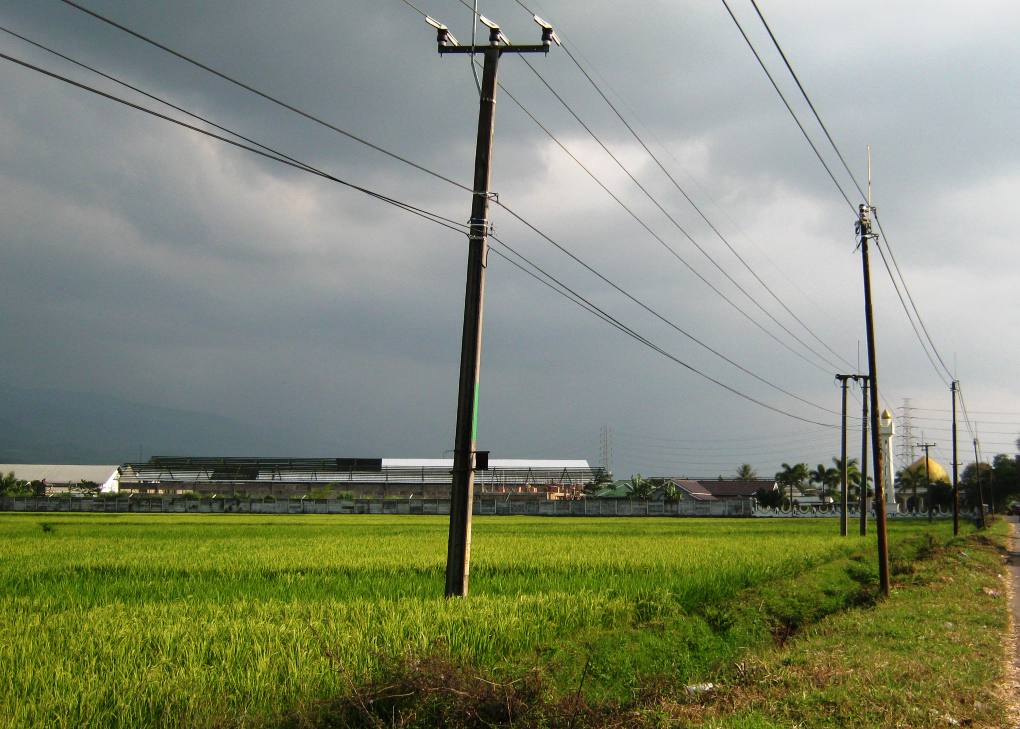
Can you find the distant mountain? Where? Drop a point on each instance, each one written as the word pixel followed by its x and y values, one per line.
pixel 54 426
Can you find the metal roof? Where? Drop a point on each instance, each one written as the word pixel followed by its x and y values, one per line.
pixel 351 470
pixel 59 473
pixel 695 489
pixel 516 463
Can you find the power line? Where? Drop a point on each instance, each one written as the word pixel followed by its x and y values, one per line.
pixel 641 222
pixel 262 94
pixel 597 311
pixel 651 232
pixel 885 263
pixel 137 90
pixel 416 9
pixel 866 199
pixel 804 93
pixel 686 196
pixel 786 104
pixel 917 313
pixel 672 220
pixel 432 217
pixel 697 209
pixel 814 434
pixel 975 412
pixel 420 212
pixel 661 208
pixel 966 414
pixel 720 452
pixel 663 147
pixel 650 310
pixel 350 135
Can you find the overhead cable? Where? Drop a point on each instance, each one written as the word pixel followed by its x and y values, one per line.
pixel 640 221
pixel 662 209
pixel 432 217
pixel 420 212
pixel 264 95
pixel 866 199
pixel 350 135
pixel 672 219
pixel 789 108
pixel 697 209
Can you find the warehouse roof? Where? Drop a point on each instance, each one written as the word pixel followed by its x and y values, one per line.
pixel 361 470
pixel 60 473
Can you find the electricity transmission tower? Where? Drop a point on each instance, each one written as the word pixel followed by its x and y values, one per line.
pixel 907 444
pixel 606 448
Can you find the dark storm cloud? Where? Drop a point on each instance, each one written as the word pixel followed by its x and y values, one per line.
pixel 147 263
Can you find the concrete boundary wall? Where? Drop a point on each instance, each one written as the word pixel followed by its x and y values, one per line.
pixel 482 506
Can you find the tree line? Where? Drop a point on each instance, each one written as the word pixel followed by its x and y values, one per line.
pixel 998 483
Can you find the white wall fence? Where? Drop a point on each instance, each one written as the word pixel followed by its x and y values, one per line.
pixel 482 506
pixel 854 512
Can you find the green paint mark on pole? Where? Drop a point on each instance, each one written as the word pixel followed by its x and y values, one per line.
pixel 474 416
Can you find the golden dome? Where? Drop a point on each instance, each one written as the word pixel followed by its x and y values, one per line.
pixel 935 470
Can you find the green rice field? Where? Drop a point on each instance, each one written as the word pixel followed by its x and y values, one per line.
pixel 228 620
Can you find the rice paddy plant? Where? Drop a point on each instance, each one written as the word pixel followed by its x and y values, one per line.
pixel 187 620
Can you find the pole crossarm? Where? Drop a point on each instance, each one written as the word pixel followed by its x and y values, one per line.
pixel 443 50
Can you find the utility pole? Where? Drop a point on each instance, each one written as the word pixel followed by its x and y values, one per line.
pixel 956 482
pixel 927 481
pixel 458 555
pixel 863 227
pixel 864 454
pixel 981 492
pixel 843 467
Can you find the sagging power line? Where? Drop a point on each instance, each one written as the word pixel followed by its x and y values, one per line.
pixel 925 339
pixel 357 138
pixel 275 155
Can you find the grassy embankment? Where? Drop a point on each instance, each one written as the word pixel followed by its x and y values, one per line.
pixel 250 621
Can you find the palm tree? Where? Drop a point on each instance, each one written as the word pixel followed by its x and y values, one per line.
pixel 639 488
pixel 853 475
pixel 792 476
pixel 746 472
pixel 828 479
pixel 671 492
pixel 11 485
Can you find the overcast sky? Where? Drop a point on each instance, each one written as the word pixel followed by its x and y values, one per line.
pixel 142 261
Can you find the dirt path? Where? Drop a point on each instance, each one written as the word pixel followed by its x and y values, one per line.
pixel 1013 565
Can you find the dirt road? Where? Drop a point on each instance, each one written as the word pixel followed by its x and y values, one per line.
pixel 1013 565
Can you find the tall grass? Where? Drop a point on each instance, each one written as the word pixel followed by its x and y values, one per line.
pixel 173 620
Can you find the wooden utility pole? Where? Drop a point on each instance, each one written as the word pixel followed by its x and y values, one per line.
pixel 458 554
pixel 864 454
pixel 981 491
pixel 843 466
pixel 927 481
pixel 864 231
pixel 956 482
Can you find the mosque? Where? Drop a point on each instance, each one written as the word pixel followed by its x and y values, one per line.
pixel 912 487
